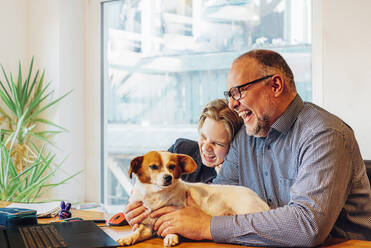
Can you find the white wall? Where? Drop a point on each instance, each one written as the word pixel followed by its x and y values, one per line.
pixel 64 36
pixel 92 102
pixel 71 113
pixel 57 39
pixel 13 45
pixel 54 32
pixel 345 52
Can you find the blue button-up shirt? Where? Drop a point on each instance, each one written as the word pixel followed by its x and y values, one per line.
pixel 309 170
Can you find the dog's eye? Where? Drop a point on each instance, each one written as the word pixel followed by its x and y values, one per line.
pixel 153 167
pixel 171 167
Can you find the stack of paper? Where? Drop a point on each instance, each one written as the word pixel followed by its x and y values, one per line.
pixel 47 209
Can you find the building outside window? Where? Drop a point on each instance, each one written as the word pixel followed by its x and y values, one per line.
pixel 163 60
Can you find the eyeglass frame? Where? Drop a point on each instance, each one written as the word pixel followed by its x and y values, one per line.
pixel 227 94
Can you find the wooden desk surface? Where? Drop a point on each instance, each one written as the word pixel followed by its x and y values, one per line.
pixel 117 232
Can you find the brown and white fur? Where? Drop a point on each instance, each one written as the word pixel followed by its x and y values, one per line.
pixel 158 184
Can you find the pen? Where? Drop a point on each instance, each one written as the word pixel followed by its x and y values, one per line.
pixel 70 219
pixel 99 221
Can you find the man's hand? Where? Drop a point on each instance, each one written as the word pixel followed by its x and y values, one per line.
pixel 190 221
pixel 135 213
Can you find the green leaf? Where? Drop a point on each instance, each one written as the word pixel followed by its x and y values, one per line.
pixel 13 90
pixel 25 95
pixel 8 102
pixel 8 97
pixel 19 85
pixel 36 101
pixel 34 187
pixel 64 180
pixel 49 123
pixel 48 105
pixel 47 133
pixel 34 83
pixel 42 138
pixel 6 77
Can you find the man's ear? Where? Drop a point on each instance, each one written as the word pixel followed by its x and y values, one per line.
pixel 186 163
pixel 278 85
pixel 135 165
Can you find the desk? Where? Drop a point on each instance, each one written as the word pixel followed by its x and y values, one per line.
pixel 117 232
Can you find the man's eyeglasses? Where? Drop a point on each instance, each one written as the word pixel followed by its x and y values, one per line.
pixel 235 92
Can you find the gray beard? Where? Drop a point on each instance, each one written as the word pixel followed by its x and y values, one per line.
pixel 262 127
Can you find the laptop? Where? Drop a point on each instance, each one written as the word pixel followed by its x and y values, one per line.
pixel 78 234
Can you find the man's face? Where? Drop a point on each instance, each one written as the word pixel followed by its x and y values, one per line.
pixel 254 106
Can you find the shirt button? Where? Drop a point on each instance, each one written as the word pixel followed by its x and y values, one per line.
pixel 266 173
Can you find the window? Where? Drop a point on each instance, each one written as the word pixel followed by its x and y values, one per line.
pixel 163 60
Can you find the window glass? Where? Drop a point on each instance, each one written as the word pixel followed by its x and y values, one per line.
pixel 163 60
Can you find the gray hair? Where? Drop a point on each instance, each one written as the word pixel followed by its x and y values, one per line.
pixel 271 62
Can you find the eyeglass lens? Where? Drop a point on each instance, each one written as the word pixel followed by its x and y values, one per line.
pixel 234 93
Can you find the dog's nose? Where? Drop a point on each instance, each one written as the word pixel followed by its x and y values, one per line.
pixel 167 179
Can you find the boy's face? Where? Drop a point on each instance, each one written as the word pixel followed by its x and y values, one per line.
pixel 213 142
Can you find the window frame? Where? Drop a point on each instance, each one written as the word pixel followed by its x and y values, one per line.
pixel 94 80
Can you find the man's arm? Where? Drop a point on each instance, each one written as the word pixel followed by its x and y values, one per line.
pixel 316 199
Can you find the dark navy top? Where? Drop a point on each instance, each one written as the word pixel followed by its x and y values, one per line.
pixel 203 173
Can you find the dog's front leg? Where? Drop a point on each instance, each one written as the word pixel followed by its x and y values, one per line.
pixel 171 239
pixel 142 233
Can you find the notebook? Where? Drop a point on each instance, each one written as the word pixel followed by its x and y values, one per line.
pixel 45 209
pixel 77 234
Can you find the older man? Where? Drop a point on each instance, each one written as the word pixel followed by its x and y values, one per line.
pixel 302 160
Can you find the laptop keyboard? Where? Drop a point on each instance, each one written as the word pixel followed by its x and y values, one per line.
pixel 41 236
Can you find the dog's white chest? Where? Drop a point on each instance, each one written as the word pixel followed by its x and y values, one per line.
pixel 153 199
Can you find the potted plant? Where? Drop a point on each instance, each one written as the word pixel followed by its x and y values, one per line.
pixel 26 163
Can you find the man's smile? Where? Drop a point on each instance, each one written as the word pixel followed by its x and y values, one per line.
pixel 245 115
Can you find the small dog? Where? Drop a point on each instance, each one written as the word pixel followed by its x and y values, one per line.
pixel 158 184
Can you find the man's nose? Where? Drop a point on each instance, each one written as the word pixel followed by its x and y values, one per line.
pixel 233 104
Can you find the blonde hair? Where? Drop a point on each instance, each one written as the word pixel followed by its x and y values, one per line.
pixel 218 110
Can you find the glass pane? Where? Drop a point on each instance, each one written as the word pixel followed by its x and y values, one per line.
pixel 163 60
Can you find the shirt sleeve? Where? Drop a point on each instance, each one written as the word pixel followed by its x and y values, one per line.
pixel 316 199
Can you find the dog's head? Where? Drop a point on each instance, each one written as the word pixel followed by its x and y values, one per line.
pixel 161 168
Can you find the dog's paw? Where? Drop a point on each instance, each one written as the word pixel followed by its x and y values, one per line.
pixel 125 241
pixel 171 240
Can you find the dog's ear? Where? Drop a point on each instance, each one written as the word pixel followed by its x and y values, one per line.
pixel 135 165
pixel 187 163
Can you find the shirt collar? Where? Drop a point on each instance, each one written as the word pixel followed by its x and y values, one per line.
pixel 287 119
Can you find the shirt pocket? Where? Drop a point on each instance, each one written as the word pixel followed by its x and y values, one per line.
pixel 284 185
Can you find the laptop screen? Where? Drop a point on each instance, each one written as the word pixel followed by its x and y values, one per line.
pixel 79 234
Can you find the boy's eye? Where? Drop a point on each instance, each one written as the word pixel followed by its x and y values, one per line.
pixel 153 167
pixel 171 167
